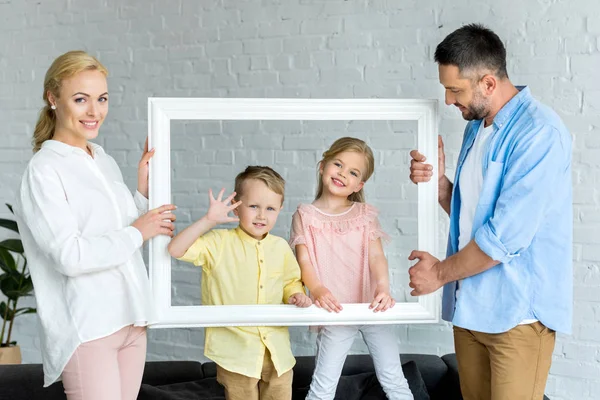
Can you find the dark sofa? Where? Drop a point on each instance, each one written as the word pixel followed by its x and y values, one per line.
pixel 429 376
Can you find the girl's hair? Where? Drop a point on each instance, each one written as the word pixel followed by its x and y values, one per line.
pixel 64 67
pixel 340 146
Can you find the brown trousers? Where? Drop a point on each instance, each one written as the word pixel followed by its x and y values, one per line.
pixel 513 365
pixel 268 387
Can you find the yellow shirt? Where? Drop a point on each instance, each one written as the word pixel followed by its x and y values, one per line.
pixel 238 269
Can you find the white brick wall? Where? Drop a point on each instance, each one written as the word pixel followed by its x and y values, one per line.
pixel 307 48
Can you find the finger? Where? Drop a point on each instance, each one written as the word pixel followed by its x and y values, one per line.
pixel 415 293
pixel 440 144
pixel 165 232
pixel 419 179
pixel 330 305
pixel 383 305
pixel 417 156
pixel 211 198
pixel 393 303
pixel 220 196
pixel 412 285
pixel 377 302
pixel 318 303
pixel 146 145
pixel 167 216
pixel 168 225
pixel 388 304
pixel 421 174
pixel 417 165
pixel 146 157
pixel 325 305
pixel 229 198
pixel 421 170
pixel 235 205
pixel 292 300
pixel 164 207
pixel 373 304
pixel 336 304
pixel 416 254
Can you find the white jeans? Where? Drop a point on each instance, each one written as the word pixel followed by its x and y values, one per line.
pixel 333 344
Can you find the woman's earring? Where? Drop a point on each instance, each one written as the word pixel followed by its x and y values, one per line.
pixel 53 107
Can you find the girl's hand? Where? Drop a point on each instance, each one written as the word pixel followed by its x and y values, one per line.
pixel 158 221
pixel 324 299
pixel 300 300
pixel 143 169
pixel 382 300
pixel 218 211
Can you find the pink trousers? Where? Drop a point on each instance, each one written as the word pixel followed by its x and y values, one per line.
pixel 109 368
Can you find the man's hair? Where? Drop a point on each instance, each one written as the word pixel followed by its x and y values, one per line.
pixel 473 47
pixel 270 177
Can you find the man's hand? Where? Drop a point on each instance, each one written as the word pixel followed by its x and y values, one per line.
pixel 424 275
pixel 421 172
pixel 300 300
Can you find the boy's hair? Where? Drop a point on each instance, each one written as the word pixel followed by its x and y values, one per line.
pixel 340 146
pixel 472 47
pixel 268 175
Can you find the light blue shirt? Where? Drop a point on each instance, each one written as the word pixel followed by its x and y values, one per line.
pixel 524 220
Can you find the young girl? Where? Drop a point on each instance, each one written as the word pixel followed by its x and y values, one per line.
pixel 338 246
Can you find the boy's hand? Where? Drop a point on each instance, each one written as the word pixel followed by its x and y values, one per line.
pixel 218 210
pixel 382 300
pixel 324 299
pixel 300 300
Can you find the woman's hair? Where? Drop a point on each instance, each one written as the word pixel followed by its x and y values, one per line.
pixel 343 145
pixel 64 67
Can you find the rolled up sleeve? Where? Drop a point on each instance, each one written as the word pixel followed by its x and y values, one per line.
pixel 531 173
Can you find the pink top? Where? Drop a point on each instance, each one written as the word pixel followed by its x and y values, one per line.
pixel 338 246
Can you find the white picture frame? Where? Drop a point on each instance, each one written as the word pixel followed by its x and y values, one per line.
pixel 161 111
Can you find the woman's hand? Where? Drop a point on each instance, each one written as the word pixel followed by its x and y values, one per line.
pixel 324 299
pixel 143 168
pixel 158 221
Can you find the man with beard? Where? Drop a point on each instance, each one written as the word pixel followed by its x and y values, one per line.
pixel 508 273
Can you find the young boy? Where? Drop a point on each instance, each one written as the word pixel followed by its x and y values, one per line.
pixel 246 265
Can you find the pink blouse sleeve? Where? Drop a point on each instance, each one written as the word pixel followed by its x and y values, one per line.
pixel 297 232
pixel 375 229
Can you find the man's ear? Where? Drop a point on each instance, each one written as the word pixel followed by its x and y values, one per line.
pixel 489 83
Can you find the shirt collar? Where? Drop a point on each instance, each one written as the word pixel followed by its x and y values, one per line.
pixel 509 108
pixel 65 149
pixel 247 238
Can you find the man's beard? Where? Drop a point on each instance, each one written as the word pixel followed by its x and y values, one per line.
pixel 478 109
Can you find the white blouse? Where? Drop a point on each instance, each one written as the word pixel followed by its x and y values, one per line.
pixel 74 214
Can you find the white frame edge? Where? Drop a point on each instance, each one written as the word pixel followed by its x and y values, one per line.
pixel 162 110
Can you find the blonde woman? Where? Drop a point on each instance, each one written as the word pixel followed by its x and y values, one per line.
pixel 82 232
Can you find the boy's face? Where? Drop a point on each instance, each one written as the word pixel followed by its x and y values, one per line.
pixel 259 209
